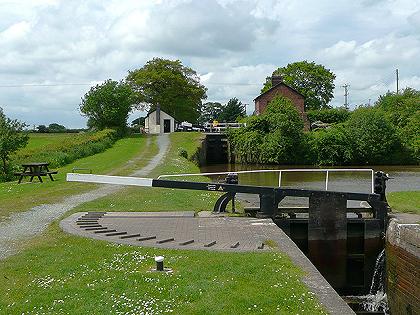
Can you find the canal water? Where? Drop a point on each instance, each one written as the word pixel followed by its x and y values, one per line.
pixel 403 178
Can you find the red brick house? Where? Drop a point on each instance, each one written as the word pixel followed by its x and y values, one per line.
pixel 280 88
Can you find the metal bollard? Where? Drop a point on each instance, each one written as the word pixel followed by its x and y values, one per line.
pixel 159 263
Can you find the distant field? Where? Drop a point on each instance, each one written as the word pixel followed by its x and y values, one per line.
pixel 37 140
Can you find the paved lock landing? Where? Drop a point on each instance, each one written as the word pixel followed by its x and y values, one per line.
pixel 180 230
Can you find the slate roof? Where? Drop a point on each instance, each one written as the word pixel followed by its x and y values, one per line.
pixel 273 87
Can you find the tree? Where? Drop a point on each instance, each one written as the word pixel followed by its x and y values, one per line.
pixel 210 111
pixel 233 110
pixel 313 81
pixel 54 127
pixel 176 88
pixel 107 105
pixel 42 129
pixel 400 107
pixel 330 115
pixel 12 138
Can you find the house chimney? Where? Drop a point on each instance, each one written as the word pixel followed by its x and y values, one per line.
pixel 158 115
pixel 276 79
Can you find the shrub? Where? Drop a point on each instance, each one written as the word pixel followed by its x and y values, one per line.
pixel 276 136
pixel 331 146
pixel 411 135
pixel 375 138
pixel 245 145
pixel 79 146
pixel 331 116
pixel 399 107
pixel 12 138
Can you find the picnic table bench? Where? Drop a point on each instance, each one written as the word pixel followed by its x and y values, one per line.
pixel 35 170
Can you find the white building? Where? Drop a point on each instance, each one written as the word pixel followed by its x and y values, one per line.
pixel 158 121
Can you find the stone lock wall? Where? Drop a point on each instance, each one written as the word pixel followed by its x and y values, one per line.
pixel 403 268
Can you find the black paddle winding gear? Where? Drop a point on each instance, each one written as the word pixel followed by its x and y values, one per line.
pixel 380 184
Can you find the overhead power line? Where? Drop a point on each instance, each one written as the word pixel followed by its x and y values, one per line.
pixel 42 85
pixel 82 84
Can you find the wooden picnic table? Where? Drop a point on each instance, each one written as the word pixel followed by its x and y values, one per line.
pixel 35 170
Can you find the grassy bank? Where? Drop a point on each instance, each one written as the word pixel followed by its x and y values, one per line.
pixel 404 201
pixel 161 199
pixel 61 149
pixel 60 273
pixel 20 197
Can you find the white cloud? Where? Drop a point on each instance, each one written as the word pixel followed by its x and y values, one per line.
pixel 369 67
pixel 233 44
pixel 15 32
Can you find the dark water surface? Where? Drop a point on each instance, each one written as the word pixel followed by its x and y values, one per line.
pixel 404 178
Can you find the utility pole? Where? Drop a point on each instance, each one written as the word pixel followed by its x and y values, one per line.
pixel 396 72
pixel 346 93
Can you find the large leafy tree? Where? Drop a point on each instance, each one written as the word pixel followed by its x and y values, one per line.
pixel 108 105
pixel 210 111
pixel 54 127
pixel 170 84
pixel 12 138
pixel 233 110
pixel 229 112
pixel 313 81
pixel 400 107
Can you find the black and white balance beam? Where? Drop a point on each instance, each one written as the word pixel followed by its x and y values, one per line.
pixel 217 187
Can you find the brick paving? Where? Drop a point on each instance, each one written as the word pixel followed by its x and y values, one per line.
pixel 179 230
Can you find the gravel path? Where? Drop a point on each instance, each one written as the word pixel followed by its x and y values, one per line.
pixel 32 222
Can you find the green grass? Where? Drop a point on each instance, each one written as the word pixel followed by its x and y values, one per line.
pixel 404 201
pixel 20 197
pixel 59 273
pixel 161 199
pixel 62 274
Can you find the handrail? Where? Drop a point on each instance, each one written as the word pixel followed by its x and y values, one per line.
pixel 326 170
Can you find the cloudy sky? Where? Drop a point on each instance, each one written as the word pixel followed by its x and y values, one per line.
pixel 51 51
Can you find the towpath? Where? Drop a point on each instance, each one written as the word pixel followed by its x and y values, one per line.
pixel 21 226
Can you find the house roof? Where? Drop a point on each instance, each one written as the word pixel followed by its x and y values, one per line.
pixel 160 111
pixel 277 85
